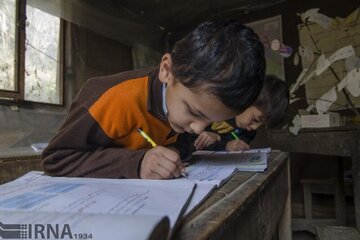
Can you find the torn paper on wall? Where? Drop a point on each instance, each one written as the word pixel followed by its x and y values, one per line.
pixel 344 34
pixel 325 101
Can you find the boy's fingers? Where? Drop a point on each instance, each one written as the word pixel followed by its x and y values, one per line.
pixel 208 142
pixel 161 163
pixel 154 175
pixel 196 143
pixel 162 172
pixel 159 170
pixel 168 169
pixel 242 145
pixel 198 140
pixel 199 143
pixel 203 141
pixel 150 173
pixel 168 155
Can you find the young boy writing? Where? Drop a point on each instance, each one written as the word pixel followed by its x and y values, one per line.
pixel 213 73
pixel 269 108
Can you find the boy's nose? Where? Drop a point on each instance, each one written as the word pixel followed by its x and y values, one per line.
pixel 198 127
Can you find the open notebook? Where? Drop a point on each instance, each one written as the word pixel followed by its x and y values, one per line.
pixel 211 169
pixel 252 160
pixel 104 208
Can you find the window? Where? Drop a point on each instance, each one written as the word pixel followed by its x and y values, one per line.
pixel 31 49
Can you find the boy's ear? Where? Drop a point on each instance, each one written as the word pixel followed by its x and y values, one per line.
pixel 165 74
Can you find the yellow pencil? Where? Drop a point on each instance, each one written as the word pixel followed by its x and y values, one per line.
pixel 146 137
pixel 153 144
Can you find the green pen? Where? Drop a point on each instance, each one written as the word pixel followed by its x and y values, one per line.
pixel 234 135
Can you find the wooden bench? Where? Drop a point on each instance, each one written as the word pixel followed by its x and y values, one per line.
pixel 319 186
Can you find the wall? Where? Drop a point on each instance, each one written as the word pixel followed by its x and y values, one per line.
pixel 87 55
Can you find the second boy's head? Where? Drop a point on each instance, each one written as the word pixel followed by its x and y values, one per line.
pixel 269 108
pixel 212 74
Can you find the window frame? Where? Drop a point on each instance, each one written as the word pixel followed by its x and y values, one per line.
pixel 18 95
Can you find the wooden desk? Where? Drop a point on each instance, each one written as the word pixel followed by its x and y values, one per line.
pixel 335 141
pixel 248 206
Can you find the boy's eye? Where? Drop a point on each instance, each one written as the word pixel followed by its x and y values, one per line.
pixel 193 113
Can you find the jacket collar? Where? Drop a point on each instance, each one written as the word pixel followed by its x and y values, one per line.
pixel 155 95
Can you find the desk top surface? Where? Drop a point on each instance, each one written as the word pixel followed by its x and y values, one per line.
pixel 225 204
pixel 335 141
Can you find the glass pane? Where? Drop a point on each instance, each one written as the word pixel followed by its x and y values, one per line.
pixel 42 57
pixel 7 44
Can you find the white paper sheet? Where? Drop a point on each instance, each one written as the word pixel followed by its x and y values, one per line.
pixel 313 15
pixel 307 77
pixel 298 81
pixel 354 85
pixel 322 64
pixel 353 75
pixel 352 62
pixel 321 19
pixel 342 53
pixel 37 192
pixel 296 125
pixel 202 191
pixel 308 13
pixel 326 100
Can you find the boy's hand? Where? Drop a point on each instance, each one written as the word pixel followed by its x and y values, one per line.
pixel 222 127
pixel 236 145
pixel 161 163
pixel 206 139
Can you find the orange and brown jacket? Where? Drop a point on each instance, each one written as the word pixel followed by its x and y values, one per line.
pixel 99 137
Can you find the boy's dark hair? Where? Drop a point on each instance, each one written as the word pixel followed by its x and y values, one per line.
pixel 224 56
pixel 273 100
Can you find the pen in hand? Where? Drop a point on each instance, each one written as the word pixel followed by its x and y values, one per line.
pixel 183 173
pixel 153 144
pixel 234 135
